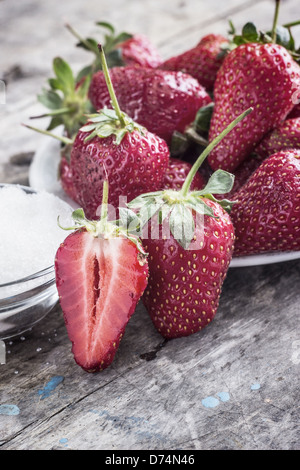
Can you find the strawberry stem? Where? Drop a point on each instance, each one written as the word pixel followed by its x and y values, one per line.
pixel 291 24
pixel 186 185
pixel 275 19
pixel 110 87
pixel 64 140
pixel 77 36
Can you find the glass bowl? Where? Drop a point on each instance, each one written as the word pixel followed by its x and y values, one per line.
pixel 26 301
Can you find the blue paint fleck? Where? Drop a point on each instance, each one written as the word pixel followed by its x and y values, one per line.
pixel 210 402
pixel 50 386
pixel 9 410
pixel 224 396
pixel 255 386
pixel 64 441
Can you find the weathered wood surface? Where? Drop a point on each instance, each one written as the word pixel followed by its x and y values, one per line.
pixel 235 385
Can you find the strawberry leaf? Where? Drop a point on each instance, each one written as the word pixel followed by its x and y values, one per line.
pixel 199 206
pixel 220 182
pixel 64 75
pixel 107 123
pixel 203 118
pixel 50 99
pixel 250 33
pixel 182 224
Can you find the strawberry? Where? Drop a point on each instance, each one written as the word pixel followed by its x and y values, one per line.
pixel 120 49
pixel 266 216
pixel 134 159
pixel 189 237
pixel 176 174
pixel 162 101
pixel 112 144
pixel 139 50
pixel 201 62
pixel 134 165
pixel 285 136
pixel 101 273
pixel 257 75
pixel 66 177
pixel 184 286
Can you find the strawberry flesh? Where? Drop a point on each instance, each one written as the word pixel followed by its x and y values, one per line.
pixel 99 282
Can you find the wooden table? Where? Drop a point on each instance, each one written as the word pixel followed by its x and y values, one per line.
pixel 234 385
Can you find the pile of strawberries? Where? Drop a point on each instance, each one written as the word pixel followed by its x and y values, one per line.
pixel 134 127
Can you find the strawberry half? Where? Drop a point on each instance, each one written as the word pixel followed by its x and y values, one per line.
pixel 189 237
pixel 101 273
pixel 160 100
pixel 266 216
pixel 202 61
pixel 263 76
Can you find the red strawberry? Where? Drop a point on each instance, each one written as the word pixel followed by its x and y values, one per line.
pixel 189 238
pixel 160 100
pixel 66 178
pixel 285 136
pixel 134 159
pixel 259 75
pixel 136 165
pixel 176 174
pixel 139 50
pixel 121 48
pixel 184 285
pixel 202 61
pixel 101 274
pixel 243 173
pixel 266 216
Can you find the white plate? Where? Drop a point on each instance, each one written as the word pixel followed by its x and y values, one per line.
pixel 43 175
pixel 43 171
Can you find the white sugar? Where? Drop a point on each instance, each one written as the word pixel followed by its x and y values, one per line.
pixel 29 233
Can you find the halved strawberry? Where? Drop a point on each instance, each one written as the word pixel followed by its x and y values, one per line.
pixel 101 272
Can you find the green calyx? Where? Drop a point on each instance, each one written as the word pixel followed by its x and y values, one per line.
pixel 110 121
pixel 103 228
pixel 179 207
pixel 66 99
pixel 107 122
pixel 278 34
pixel 111 43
